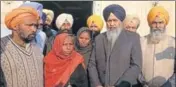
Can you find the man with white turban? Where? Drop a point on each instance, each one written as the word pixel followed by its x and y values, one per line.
pixel 64 22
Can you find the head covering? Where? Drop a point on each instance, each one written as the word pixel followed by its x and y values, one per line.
pixel 158 11
pixel 58 68
pixel 49 14
pixel 35 5
pixel 61 19
pixel 117 10
pixel 130 17
pixel 16 16
pixel 85 51
pixel 97 20
pixel 43 17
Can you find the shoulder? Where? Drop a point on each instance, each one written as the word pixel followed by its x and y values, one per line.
pixel 131 34
pixel 100 36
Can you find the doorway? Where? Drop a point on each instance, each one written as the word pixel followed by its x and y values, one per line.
pixel 80 11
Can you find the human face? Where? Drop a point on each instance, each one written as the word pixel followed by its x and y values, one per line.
pixel 84 39
pixel 131 25
pixel 66 25
pixel 68 46
pixel 27 29
pixel 158 23
pixel 93 27
pixel 113 22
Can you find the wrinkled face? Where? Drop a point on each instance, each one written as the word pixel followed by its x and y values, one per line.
pixel 93 27
pixel 68 46
pixel 66 25
pixel 158 23
pixel 27 29
pixel 113 22
pixel 131 25
pixel 84 39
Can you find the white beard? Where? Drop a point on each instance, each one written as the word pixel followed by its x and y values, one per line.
pixel 112 35
pixel 156 35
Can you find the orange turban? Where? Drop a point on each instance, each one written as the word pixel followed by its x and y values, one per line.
pixel 16 16
pixel 97 20
pixel 158 11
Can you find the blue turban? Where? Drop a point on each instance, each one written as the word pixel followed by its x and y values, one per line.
pixel 43 17
pixel 117 10
pixel 37 6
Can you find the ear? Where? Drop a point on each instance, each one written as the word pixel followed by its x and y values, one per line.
pixel 16 28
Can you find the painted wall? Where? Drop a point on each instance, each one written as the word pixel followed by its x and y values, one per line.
pixel 140 8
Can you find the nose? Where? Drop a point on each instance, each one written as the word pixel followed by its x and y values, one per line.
pixel 112 23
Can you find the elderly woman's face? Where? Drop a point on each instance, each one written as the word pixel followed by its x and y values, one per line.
pixel 68 46
pixel 84 39
pixel 113 22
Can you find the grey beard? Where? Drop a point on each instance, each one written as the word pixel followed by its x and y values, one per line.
pixel 112 35
pixel 156 35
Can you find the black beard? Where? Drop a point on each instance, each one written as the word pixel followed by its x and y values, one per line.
pixel 94 33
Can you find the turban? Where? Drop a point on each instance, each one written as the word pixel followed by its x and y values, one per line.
pixel 43 17
pixel 16 16
pixel 97 20
pixel 49 14
pixel 37 6
pixel 158 11
pixel 117 10
pixel 61 19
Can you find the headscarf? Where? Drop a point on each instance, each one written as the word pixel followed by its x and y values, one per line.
pixel 117 10
pixel 158 11
pixel 16 16
pixel 61 19
pixel 58 68
pixel 97 20
pixel 85 51
pixel 49 14
pixel 35 5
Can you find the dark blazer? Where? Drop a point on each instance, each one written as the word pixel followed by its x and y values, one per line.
pixel 123 63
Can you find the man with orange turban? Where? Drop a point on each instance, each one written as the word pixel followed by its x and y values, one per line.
pixel 21 60
pixel 158 50
pixel 95 24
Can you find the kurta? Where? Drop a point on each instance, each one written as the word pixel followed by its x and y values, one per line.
pixel 123 63
pixel 158 60
pixel 21 67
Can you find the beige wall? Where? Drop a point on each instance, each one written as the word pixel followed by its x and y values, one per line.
pixel 140 8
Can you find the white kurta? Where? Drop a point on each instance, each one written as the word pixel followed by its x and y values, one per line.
pixel 158 60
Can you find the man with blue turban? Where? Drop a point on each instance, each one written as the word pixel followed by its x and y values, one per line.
pixel 116 58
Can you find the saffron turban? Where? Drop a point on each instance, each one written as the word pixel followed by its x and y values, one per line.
pixel 95 19
pixel 158 11
pixel 117 10
pixel 16 16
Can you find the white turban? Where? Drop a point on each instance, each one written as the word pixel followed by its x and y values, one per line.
pixel 62 18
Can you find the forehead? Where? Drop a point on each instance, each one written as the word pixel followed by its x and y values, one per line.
pixel 158 19
pixel 68 39
pixel 84 33
pixel 30 19
pixel 112 16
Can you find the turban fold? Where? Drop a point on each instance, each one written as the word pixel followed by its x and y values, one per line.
pixel 49 14
pixel 158 11
pixel 97 20
pixel 37 6
pixel 62 18
pixel 16 16
pixel 117 10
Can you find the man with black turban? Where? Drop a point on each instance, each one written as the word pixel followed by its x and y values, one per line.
pixel 116 58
